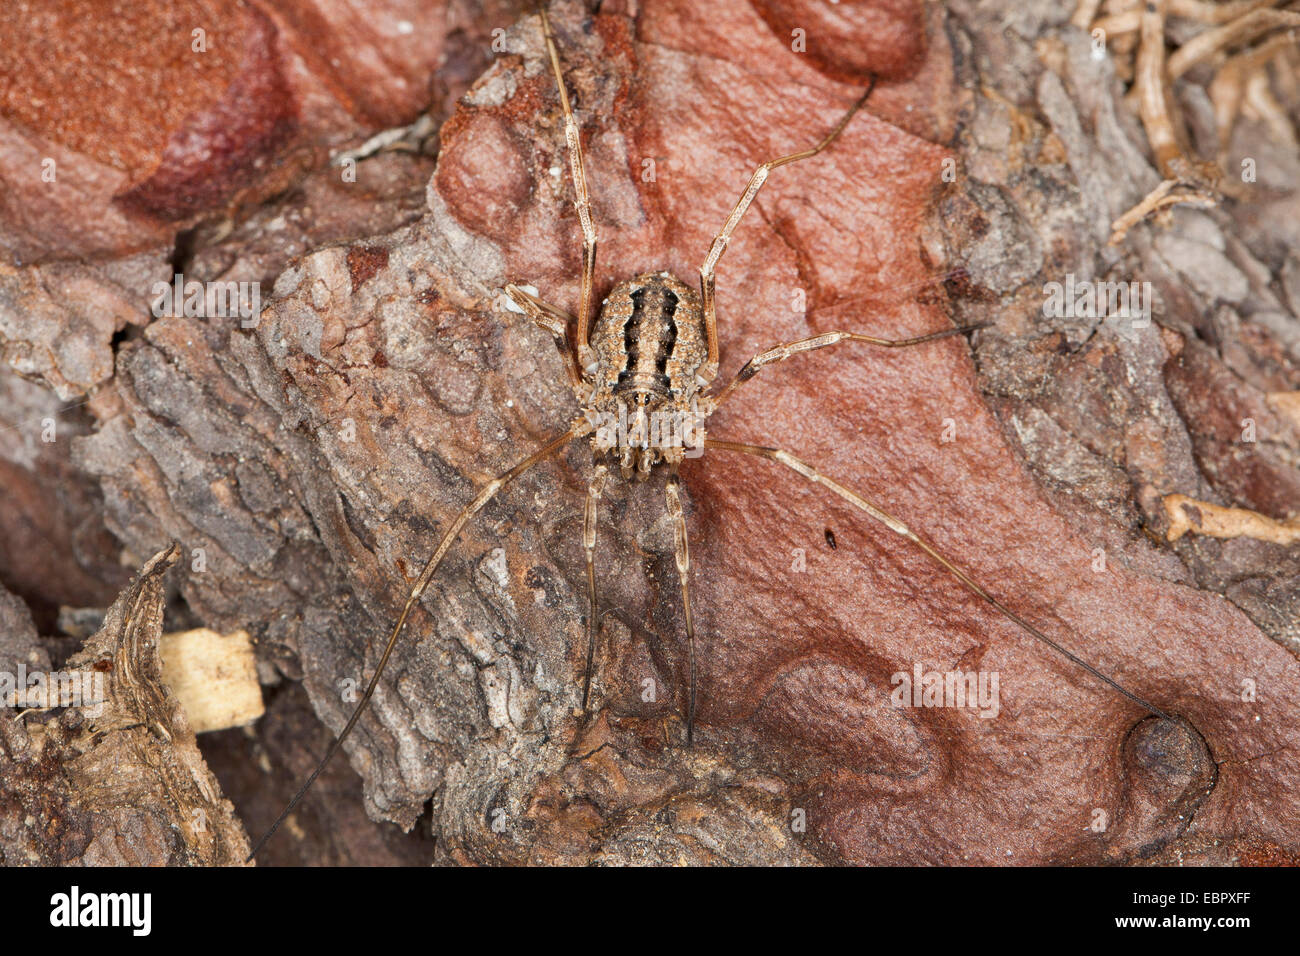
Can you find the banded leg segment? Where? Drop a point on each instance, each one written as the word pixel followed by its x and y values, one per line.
pixel 782 352
pixel 710 368
pixel 582 201
pixel 555 320
pixel 488 492
pixel 899 528
pixel 589 521
pixel 673 495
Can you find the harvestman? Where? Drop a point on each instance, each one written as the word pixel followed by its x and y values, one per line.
pixel 647 357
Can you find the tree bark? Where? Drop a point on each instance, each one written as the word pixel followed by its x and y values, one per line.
pixel 314 459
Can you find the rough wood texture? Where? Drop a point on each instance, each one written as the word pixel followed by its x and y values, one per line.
pixel 315 458
pixel 121 783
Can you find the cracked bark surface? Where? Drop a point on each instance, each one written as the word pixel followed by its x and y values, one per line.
pixel 315 458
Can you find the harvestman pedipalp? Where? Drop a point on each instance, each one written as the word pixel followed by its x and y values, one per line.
pixel 646 359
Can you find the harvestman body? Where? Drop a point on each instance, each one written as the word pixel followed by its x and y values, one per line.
pixel 646 358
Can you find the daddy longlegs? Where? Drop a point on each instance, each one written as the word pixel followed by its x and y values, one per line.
pixel 645 360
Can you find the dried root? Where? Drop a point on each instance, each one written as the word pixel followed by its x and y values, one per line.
pixel 1250 47
pixel 1187 514
pixel 1170 192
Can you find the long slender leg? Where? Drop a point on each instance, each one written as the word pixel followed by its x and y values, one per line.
pixel 489 491
pixel 673 495
pixel 782 352
pixel 896 526
pixel 710 368
pixel 556 321
pixel 589 519
pixel 582 202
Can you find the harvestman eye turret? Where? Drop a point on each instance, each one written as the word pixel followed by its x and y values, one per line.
pixel 639 372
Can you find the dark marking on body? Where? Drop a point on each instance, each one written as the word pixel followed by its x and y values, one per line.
pixel 653 323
